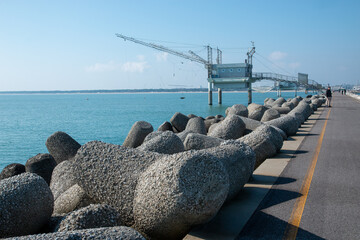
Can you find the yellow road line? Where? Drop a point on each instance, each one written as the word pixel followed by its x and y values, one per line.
pixel 295 218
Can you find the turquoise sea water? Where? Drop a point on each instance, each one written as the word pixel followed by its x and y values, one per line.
pixel 26 121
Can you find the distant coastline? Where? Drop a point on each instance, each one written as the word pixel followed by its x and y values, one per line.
pixel 158 90
pixel 119 91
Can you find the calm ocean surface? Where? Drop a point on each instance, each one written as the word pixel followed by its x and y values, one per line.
pixel 26 121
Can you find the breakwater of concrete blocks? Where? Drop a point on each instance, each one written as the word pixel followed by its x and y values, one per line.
pixel 157 185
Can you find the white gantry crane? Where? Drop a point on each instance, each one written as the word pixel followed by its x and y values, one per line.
pixel 229 76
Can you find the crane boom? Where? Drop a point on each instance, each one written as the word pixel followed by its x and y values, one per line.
pixel 165 49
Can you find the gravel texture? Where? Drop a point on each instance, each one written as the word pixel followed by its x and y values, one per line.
pixel 256 111
pixel 92 216
pixel 113 233
pixel 62 146
pixel 238 160
pixel 177 192
pixel 72 199
pixel 265 141
pixel 166 142
pixel 198 141
pixel 63 177
pixel 237 109
pixel 11 170
pixel 137 134
pixel 286 123
pixel 109 173
pixel 26 204
pixel 230 128
pixel 270 114
pixel 196 125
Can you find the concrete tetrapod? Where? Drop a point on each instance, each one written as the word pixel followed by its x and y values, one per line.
pixel 137 134
pixel 239 162
pixel 230 128
pixel 165 142
pixel 198 141
pixel 61 146
pixel 63 177
pixel 177 192
pixel 26 204
pixel 196 125
pixel 256 111
pixel 41 164
pixel 70 200
pixel 179 121
pixel 109 173
pixel 237 109
pixel 92 216
pixel 270 114
pixel 113 233
pixel 11 170
pixel 287 123
pixel 266 141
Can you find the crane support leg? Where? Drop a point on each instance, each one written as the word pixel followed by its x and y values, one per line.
pixel 249 94
pixel 219 96
pixel 210 93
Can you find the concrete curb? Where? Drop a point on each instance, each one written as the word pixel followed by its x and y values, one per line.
pixel 233 216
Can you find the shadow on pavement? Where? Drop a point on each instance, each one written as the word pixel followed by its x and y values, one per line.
pixel 265 226
pixel 270 180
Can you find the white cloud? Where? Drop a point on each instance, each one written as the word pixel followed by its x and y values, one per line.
pixel 134 66
pixel 103 67
pixel 162 56
pixel 131 66
pixel 277 55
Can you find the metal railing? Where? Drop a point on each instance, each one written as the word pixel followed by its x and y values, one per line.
pixel 312 84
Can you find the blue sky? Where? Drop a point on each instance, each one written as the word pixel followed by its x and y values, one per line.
pixel 71 45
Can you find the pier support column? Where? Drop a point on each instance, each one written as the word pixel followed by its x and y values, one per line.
pixel 210 93
pixel 249 94
pixel 219 96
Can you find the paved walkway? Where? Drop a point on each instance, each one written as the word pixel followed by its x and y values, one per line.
pixel 317 196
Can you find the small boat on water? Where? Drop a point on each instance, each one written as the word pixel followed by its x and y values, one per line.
pixel 182 97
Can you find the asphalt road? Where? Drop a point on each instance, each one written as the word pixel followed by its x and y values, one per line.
pixel 332 207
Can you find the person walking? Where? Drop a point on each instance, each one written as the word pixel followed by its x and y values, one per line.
pixel 328 96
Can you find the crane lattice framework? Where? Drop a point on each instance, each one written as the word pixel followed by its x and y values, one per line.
pixel 231 76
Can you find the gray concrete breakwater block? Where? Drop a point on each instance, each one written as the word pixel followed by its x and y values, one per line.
pixel 266 141
pixel 230 128
pixel 92 216
pixel 114 233
pixel 198 141
pixel 109 173
pixel 238 160
pixel 177 192
pixel 11 170
pixel 137 134
pixel 237 109
pixel 41 164
pixel 61 146
pixel 256 111
pixel 26 204
pixel 179 121
pixel 63 177
pixel 286 123
pixel 162 142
